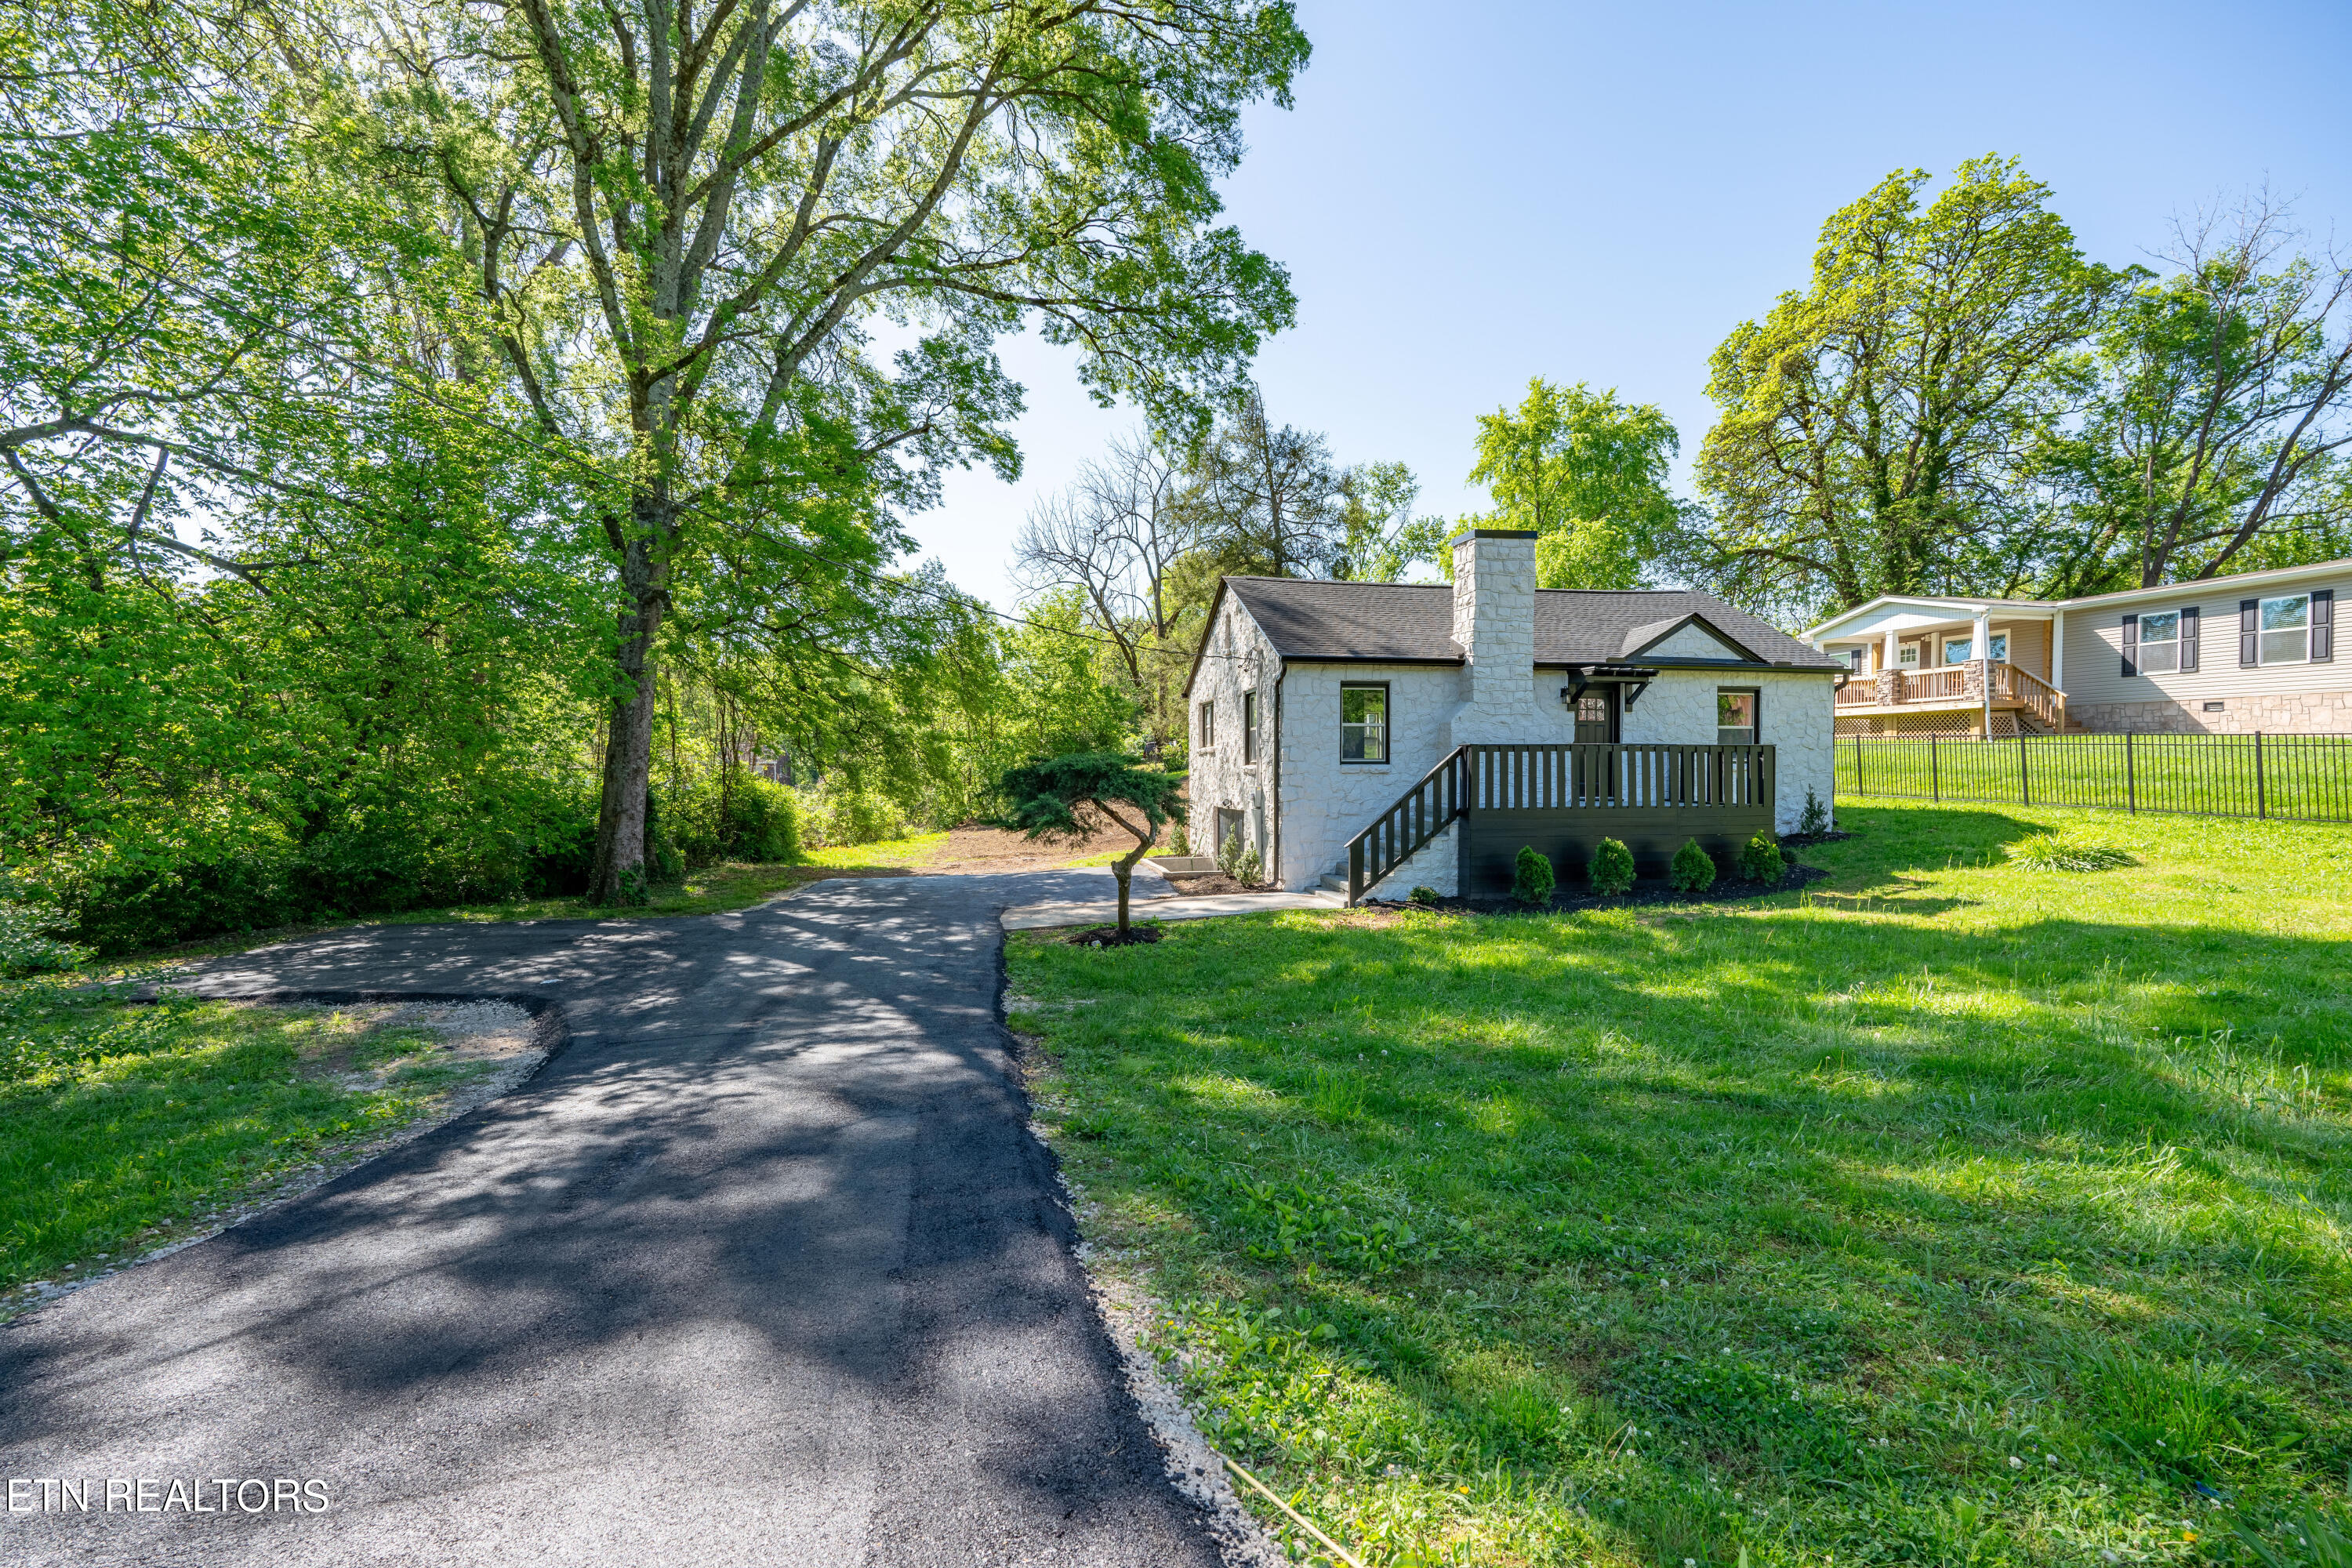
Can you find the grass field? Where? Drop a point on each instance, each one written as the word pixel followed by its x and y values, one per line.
pixel 123 1126
pixel 1947 1212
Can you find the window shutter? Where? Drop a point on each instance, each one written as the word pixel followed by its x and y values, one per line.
pixel 2323 626
pixel 2250 647
pixel 2131 645
pixel 2187 637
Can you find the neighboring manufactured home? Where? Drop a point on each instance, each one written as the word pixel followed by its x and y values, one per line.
pixel 1376 736
pixel 2227 655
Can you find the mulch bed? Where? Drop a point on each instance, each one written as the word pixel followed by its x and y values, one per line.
pixel 1648 891
pixel 1190 883
pixel 1110 936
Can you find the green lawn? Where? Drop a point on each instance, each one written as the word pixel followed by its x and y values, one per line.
pixel 1946 1212
pixel 123 1126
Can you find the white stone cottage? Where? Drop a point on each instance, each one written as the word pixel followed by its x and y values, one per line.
pixel 2254 652
pixel 1378 736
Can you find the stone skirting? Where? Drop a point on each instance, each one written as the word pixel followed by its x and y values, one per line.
pixel 2273 713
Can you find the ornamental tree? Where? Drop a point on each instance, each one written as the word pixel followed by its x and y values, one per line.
pixel 1068 798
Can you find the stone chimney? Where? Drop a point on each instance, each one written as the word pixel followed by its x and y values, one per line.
pixel 1495 625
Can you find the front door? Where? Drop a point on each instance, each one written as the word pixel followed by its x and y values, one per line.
pixel 1596 725
pixel 1596 717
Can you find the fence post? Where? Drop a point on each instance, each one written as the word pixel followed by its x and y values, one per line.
pixel 2262 799
pixel 2131 778
pixel 2024 785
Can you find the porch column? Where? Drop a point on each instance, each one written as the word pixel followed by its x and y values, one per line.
pixel 2058 650
pixel 1981 645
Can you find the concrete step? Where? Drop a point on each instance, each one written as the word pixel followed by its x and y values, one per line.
pixel 1334 884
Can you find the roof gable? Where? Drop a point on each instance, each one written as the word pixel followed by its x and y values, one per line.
pixel 1685 637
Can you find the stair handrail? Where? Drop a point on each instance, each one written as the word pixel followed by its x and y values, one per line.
pixel 1373 853
pixel 2048 703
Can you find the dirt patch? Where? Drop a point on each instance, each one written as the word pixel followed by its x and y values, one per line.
pixel 1188 884
pixel 986 850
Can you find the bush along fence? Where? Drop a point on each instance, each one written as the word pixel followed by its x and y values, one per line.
pixel 2304 778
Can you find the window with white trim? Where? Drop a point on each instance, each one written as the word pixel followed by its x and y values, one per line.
pixel 2286 629
pixel 1249 726
pixel 1208 726
pixel 1959 650
pixel 2159 643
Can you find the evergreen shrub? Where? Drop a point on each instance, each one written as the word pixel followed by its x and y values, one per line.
pixel 1531 878
pixel 1613 868
pixel 1692 869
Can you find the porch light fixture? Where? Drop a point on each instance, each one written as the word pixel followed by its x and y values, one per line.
pixel 1635 677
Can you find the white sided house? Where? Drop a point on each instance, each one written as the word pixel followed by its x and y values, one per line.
pixel 1373 737
pixel 2250 654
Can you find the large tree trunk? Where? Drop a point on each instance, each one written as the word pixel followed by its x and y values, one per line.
pixel 620 875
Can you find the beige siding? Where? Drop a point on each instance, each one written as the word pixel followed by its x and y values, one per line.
pixel 2029 644
pixel 2269 696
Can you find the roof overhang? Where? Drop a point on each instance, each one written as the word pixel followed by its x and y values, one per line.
pixel 1900 613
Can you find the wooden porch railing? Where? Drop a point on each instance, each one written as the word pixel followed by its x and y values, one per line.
pixel 1598 778
pixel 1958 683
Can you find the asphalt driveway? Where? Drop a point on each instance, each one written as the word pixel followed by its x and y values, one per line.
pixel 762 1267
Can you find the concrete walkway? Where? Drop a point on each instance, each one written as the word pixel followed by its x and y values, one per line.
pixel 764 1266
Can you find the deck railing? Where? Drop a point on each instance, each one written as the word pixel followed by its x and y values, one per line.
pixel 2011 687
pixel 1630 777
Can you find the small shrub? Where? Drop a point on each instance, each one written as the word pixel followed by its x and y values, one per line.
pixel 1613 868
pixel 1692 869
pixel 1760 860
pixel 1180 842
pixel 2059 852
pixel 1249 867
pixel 1229 854
pixel 1425 894
pixel 841 816
pixel 1531 878
pixel 1816 818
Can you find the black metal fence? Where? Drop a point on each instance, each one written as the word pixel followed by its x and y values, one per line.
pixel 2305 778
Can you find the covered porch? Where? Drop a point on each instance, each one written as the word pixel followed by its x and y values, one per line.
pixel 1958 668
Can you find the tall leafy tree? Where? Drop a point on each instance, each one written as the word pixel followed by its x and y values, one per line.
pixel 687 220
pixel 1269 495
pixel 2214 438
pixel 1588 473
pixel 1873 426
pixel 1380 541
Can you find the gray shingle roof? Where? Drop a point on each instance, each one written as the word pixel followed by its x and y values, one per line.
pixel 1404 622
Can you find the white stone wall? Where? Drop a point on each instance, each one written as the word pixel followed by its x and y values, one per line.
pixel 1679 706
pixel 1326 802
pixel 1237 659
pixel 1436 864
pixel 1494 621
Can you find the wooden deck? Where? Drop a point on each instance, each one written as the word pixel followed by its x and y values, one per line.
pixel 2028 702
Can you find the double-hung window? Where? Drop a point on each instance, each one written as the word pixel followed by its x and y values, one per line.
pixel 1249 726
pixel 1363 723
pixel 2159 643
pixel 1208 726
pixel 1735 717
pixel 1959 650
pixel 2285 627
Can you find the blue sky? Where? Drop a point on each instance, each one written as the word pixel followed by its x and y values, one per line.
pixel 1470 194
